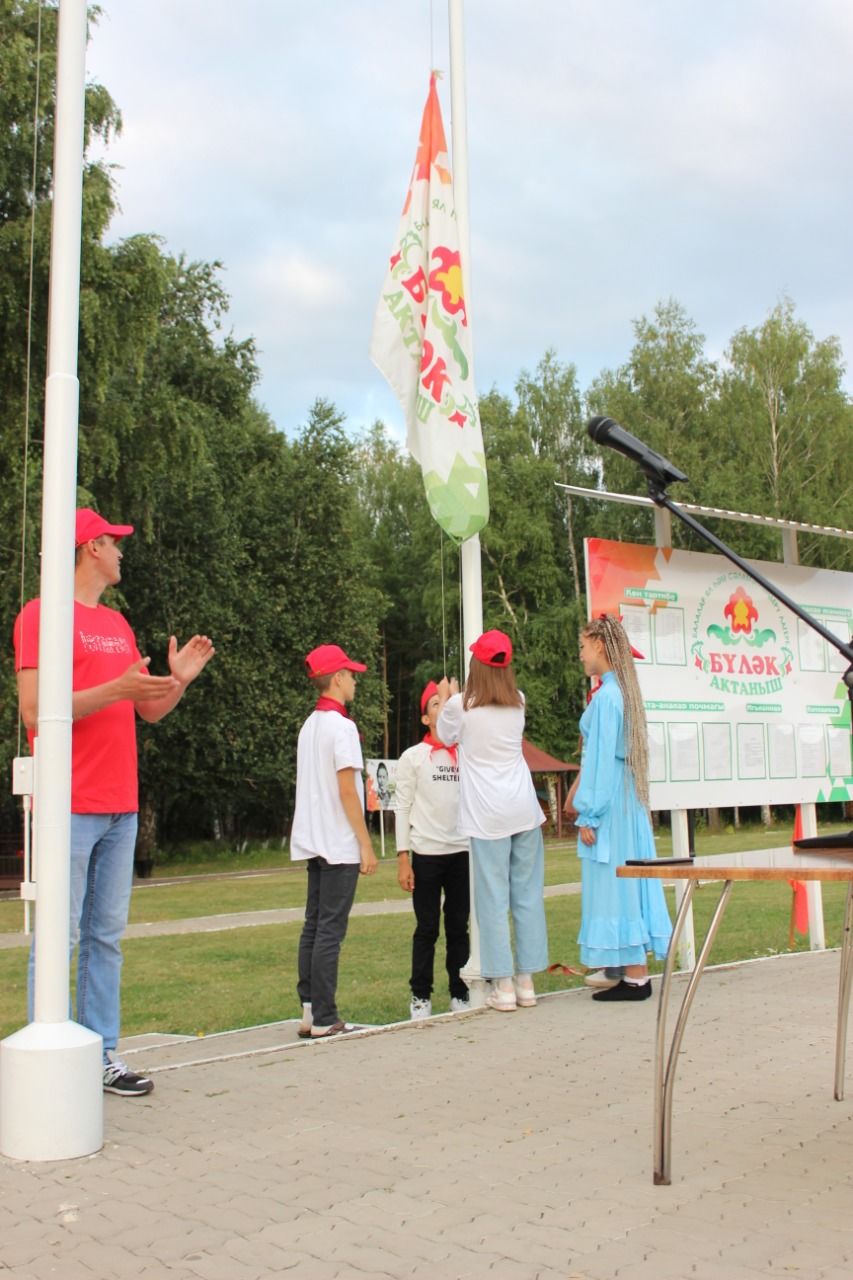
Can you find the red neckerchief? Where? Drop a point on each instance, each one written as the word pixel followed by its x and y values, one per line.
pixel 329 704
pixel 435 745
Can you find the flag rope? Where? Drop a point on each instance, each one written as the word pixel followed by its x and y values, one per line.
pixel 28 364
pixel 461 630
pixel 443 608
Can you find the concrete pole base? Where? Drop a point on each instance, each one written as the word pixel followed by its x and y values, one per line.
pixel 478 986
pixel 51 1092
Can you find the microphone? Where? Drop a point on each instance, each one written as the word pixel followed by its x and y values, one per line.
pixel 657 469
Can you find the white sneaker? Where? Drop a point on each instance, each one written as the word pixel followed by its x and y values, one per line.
pixel 420 1009
pixel 599 980
pixel 304 1028
pixel 502 999
pixel 118 1078
pixel 458 1004
pixel 525 994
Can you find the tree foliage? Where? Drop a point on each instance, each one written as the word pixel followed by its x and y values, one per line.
pixel 786 423
pixel 272 545
pixel 240 533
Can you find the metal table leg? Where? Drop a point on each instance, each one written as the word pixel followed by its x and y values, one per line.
pixel 844 980
pixel 660 1035
pixel 665 1078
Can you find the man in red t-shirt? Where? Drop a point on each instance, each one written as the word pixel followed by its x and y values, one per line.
pixel 110 685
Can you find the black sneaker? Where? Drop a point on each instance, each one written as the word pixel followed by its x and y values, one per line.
pixel 127 1084
pixel 626 991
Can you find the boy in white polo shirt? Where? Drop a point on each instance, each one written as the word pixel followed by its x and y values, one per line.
pixel 432 857
pixel 329 833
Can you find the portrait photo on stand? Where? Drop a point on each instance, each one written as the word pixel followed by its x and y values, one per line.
pixel 381 781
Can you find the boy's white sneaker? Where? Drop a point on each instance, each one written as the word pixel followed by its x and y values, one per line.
pixel 460 1004
pixel 601 980
pixel 420 1008
pixel 304 1028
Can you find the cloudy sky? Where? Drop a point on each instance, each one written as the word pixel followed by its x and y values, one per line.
pixel 620 153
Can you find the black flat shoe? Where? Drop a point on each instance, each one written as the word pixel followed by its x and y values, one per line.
pixel 625 991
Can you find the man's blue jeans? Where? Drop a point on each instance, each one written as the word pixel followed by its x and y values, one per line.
pixel 102 848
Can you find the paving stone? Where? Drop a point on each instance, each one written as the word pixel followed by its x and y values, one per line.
pixel 676 1238
pixel 719 1270
pixel 97 1258
pixel 372 1261
pixel 197 1240
pixel 47 1268
pixel 507 1269
pixel 355 1273
pixel 661 1266
pixel 221 1267
pixel 524 1151
pixel 804 1257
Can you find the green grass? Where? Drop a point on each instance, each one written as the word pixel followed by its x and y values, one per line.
pixel 210 858
pixel 285 885
pixel 196 984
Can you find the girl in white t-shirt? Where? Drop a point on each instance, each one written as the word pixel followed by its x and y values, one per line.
pixel 499 811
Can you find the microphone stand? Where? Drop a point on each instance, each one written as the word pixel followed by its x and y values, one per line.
pixel 658 494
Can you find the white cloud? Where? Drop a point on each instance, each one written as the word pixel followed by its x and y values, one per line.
pixel 295 280
pixel 620 153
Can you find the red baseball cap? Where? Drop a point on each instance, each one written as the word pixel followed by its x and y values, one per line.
pixel 90 525
pixel 326 659
pixel 494 648
pixel 430 690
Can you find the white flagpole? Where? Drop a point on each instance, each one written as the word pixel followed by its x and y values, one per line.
pixel 472 582
pixel 51 1075
pixel 472 579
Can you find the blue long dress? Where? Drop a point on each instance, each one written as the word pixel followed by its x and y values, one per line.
pixel 621 920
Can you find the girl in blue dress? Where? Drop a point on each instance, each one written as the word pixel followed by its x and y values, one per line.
pixel 621 920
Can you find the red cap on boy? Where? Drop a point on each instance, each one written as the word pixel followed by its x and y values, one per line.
pixel 430 690
pixel 326 659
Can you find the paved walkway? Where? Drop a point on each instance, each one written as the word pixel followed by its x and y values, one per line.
pixel 490 1146
pixel 248 919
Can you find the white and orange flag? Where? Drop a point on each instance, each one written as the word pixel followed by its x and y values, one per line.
pixel 421 340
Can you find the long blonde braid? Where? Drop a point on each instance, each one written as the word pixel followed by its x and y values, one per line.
pixel 617 649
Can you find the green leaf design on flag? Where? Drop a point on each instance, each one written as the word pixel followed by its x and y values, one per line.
pixel 460 503
pixel 449 329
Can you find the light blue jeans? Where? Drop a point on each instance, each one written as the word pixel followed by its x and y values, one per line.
pixel 102 848
pixel 509 878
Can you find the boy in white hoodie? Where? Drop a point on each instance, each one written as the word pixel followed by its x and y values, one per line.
pixel 432 858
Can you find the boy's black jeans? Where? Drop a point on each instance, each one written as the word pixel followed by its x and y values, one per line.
pixel 331 890
pixel 434 874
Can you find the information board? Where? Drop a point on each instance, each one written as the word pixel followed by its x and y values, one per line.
pixel 745 703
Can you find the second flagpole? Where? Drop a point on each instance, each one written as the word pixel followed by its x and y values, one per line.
pixel 472 580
